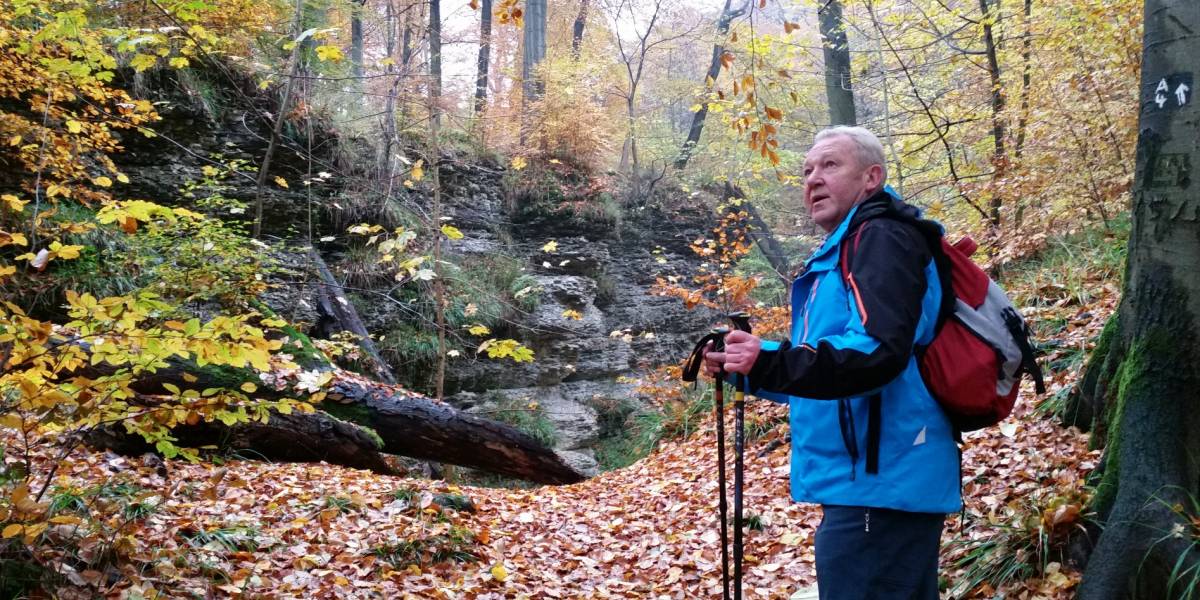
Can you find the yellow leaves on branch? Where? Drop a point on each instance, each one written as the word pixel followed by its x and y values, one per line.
pixel 509 12
pixel 13 203
pixel 141 62
pixel 574 315
pixel 12 239
pixel 40 375
pixel 452 232
pixel 329 53
pixel 507 348
pixel 518 163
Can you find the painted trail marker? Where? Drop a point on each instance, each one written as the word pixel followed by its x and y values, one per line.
pixel 1173 91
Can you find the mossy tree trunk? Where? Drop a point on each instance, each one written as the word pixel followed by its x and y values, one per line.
pixel 1139 395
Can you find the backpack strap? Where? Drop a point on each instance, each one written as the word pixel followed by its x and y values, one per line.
pixel 1020 335
pixel 874 418
pixel 931 232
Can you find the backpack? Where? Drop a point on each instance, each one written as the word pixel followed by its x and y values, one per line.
pixel 980 346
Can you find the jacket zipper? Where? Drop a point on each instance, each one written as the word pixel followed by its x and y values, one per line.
pixel 868 521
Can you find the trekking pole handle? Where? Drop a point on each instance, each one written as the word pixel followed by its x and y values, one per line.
pixel 741 321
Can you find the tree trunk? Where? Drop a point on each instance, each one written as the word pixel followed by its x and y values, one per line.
pixel 896 171
pixel 580 23
pixel 838 90
pixel 485 50
pixel 1141 382
pixel 1026 67
pixel 293 65
pixel 356 40
pixel 435 60
pixel 416 426
pixel 710 79
pixel 406 42
pixel 760 232
pixel 631 134
pixel 338 307
pixel 535 47
pixel 389 109
pixel 296 437
pixel 999 157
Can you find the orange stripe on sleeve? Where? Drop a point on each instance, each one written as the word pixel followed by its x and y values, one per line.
pixel 862 309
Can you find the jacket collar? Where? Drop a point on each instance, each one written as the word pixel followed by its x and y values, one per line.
pixel 875 205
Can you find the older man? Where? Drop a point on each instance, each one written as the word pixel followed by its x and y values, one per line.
pixel 869 442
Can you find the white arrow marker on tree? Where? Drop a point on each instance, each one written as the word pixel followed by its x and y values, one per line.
pixel 1181 93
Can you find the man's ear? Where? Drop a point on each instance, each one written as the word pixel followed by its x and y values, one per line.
pixel 874 176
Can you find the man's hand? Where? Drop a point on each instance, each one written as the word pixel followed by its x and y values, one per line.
pixel 741 350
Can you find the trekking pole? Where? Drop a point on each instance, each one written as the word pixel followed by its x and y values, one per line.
pixel 741 321
pixel 690 371
pixel 722 509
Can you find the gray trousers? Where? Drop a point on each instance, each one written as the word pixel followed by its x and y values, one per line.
pixel 877 554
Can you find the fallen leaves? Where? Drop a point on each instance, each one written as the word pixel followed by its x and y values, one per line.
pixel 649 530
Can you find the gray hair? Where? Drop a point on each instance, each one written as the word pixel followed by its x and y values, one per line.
pixel 867 148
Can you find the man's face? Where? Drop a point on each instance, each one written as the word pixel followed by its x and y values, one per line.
pixel 834 181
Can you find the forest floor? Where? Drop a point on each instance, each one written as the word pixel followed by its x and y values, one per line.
pixel 255 529
pixel 260 530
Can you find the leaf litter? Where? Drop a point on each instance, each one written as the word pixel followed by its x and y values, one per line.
pixel 261 530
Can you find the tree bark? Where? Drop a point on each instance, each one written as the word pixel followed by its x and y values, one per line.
pixel 389 110
pixel 534 47
pixel 356 40
pixel 838 89
pixel 435 60
pixel 999 156
pixel 1141 383
pixel 416 426
pixel 337 306
pixel 293 65
pixel 407 424
pixel 297 437
pixel 1026 67
pixel 485 50
pixel 577 32
pixel 406 43
pixel 710 79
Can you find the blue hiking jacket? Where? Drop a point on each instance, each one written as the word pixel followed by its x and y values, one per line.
pixel 856 320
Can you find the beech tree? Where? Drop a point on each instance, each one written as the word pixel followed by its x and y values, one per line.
pixel 1139 393
pixel 535 47
pixel 485 50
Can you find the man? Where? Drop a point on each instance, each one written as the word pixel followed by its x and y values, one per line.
pixel 869 443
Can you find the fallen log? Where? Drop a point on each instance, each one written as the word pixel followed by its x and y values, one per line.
pixel 336 306
pixel 295 437
pixel 413 425
pixel 407 423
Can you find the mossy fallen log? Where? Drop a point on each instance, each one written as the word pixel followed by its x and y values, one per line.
pixel 406 423
pixel 295 437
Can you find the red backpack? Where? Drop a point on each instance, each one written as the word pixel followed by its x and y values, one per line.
pixel 980 348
